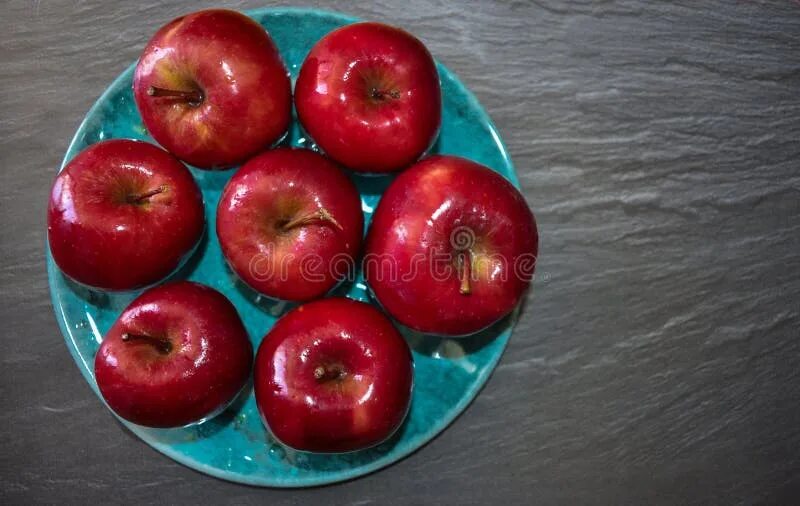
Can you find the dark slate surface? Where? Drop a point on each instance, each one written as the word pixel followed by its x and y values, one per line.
pixel 657 359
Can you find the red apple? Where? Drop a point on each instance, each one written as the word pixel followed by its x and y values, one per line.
pixel 333 375
pixel 123 214
pixel 177 354
pixel 212 89
pixel 368 94
pixel 451 247
pixel 290 224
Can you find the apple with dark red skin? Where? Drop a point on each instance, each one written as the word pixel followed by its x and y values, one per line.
pixel 368 95
pixel 123 214
pixel 290 224
pixel 451 248
pixel 212 89
pixel 333 375
pixel 178 354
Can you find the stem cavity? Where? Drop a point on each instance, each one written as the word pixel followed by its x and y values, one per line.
pixel 334 372
pixel 381 95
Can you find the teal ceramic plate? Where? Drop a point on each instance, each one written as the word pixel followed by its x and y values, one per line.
pixel 235 446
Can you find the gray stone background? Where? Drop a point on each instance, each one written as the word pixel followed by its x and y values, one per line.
pixel 656 361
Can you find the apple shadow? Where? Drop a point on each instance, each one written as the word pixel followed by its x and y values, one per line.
pixel 96 298
pixel 342 288
pixel 397 436
pixel 371 185
pixel 213 180
pixel 187 268
pixel 348 286
pixel 102 299
pixel 437 346
pixel 435 147
pixel 448 347
pixel 273 307
pixel 202 430
pixel 294 138
pixel 334 461
pixel 228 416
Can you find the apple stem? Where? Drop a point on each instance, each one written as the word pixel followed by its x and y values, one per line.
pixel 138 199
pixel 466 272
pixel 193 97
pixel 321 214
pixel 164 346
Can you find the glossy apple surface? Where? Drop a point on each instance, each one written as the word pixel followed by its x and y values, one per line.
pixel 368 94
pixel 333 375
pixel 451 248
pixel 212 89
pixel 123 214
pixel 290 224
pixel 176 355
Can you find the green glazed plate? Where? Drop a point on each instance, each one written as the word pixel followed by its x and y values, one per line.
pixel 235 446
